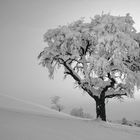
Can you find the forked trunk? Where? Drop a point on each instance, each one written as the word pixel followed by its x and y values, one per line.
pixel 100 109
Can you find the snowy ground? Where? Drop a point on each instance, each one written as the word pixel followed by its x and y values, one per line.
pixel 38 123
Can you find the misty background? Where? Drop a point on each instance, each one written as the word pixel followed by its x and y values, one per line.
pixel 22 26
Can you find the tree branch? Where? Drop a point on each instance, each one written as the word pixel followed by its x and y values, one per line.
pixel 84 87
pixel 132 64
pixel 112 83
pixel 72 73
pixel 115 95
pixel 78 79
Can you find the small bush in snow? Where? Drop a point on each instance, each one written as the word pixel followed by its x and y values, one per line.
pixel 78 112
pixel 124 121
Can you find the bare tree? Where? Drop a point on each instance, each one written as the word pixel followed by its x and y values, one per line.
pixel 102 56
pixel 56 105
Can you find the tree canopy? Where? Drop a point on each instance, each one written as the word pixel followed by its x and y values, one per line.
pixel 102 56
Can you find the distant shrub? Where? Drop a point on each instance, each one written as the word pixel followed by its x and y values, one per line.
pixel 87 115
pixel 124 121
pixel 138 125
pixel 79 112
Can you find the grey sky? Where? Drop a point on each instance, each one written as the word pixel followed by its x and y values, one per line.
pixel 22 25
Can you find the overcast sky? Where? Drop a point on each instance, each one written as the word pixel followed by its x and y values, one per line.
pixel 22 25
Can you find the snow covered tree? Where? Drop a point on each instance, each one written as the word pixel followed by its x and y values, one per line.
pixel 56 105
pixel 102 56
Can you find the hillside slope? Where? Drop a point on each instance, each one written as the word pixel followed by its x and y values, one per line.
pixel 47 124
pixel 15 104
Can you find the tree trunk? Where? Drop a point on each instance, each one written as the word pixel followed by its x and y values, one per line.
pixel 100 109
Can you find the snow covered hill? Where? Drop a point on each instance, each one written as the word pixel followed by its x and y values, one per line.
pixel 18 105
pixel 26 121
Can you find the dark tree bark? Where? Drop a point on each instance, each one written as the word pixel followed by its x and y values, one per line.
pixel 100 109
pixel 100 101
